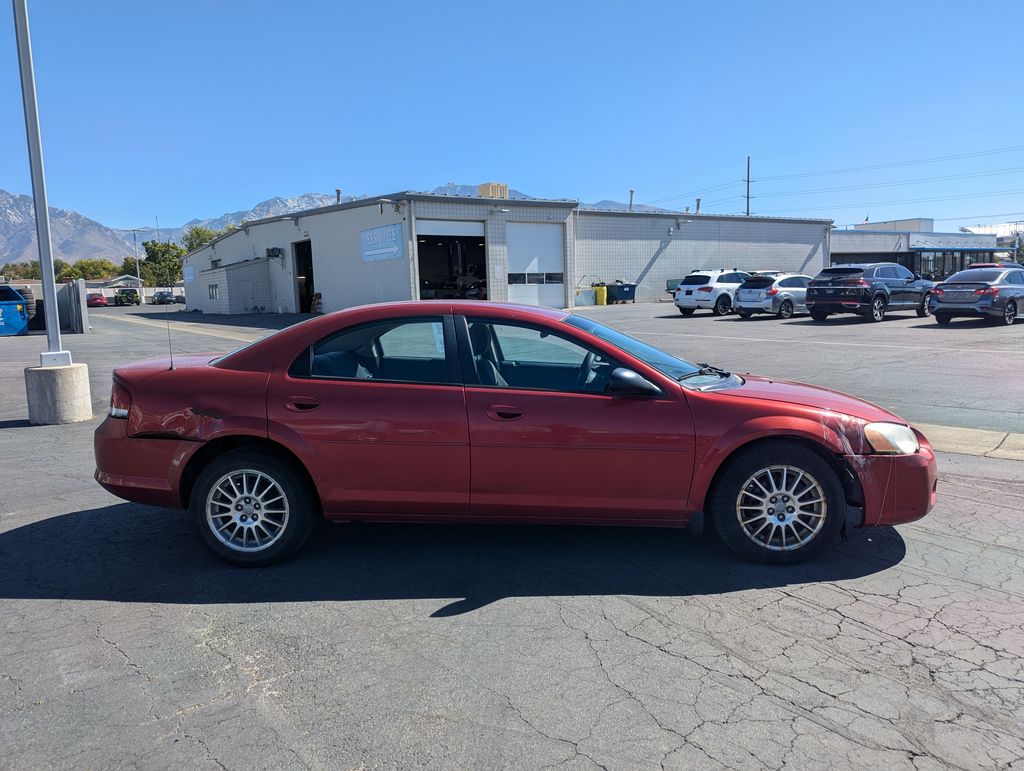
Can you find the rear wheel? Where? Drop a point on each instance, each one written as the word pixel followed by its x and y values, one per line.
pixel 250 508
pixel 925 309
pixel 877 310
pixel 942 318
pixel 819 315
pixel 786 310
pixel 777 502
pixel 1009 313
pixel 687 311
pixel 722 305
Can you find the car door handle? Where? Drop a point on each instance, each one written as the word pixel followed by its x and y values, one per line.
pixel 504 412
pixel 302 404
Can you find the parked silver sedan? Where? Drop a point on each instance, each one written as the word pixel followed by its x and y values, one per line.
pixel 783 294
pixel 995 293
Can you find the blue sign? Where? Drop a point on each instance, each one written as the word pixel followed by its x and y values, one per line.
pixel 383 243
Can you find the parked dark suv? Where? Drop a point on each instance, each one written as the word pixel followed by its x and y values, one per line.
pixel 868 289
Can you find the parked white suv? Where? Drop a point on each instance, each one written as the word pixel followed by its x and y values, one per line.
pixel 711 289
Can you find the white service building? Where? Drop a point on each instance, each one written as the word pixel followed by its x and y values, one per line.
pixel 426 246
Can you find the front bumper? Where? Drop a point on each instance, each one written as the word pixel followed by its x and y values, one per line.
pixel 897 488
pixel 139 469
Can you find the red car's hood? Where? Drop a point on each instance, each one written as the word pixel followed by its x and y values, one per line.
pixel 757 387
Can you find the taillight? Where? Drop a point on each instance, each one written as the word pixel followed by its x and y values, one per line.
pixel 989 290
pixel 859 282
pixel 938 291
pixel 704 289
pixel 120 401
pixel 772 291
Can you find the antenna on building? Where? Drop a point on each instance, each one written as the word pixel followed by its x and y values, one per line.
pixel 631 199
pixel 337 195
pixel 698 207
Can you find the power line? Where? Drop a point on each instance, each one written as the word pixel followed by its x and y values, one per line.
pixel 895 164
pixel 944 178
pixel 906 201
pixel 701 191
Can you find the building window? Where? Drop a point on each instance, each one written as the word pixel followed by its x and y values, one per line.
pixel 214 293
pixel 214 264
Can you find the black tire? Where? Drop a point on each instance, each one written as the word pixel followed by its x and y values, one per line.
pixel 744 314
pixel 687 311
pixel 818 315
pixel 876 312
pixel 735 479
pixel 30 301
pixel 785 310
pixel 723 305
pixel 1009 314
pixel 295 525
pixel 943 318
pixel 924 310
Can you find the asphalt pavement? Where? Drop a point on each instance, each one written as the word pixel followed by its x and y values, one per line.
pixel 122 643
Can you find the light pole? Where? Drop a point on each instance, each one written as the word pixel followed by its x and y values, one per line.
pixel 57 390
pixel 138 271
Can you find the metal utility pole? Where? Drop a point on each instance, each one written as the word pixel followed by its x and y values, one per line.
pixel 54 356
pixel 138 271
pixel 748 185
pixel 631 199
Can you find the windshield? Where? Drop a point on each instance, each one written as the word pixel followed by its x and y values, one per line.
pixel 665 363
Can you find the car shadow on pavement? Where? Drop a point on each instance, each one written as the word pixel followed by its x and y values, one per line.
pixel 132 553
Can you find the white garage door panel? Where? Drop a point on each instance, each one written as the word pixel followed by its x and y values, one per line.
pixel 536 248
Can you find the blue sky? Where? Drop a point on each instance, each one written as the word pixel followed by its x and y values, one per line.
pixel 190 109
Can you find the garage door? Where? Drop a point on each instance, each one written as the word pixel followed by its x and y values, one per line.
pixel 536 264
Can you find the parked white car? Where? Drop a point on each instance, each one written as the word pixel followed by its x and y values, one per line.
pixel 782 294
pixel 710 289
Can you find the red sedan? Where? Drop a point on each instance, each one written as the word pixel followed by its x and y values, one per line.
pixel 474 411
pixel 96 300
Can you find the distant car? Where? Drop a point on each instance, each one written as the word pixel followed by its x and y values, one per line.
pixel 476 411
pixel 868 289
pixel 162 298
pixel 994 265
pixel 96 300
pixel 711 289
pixel 767 272
pixel 993 293
pixel 127 297
pixel 783 294
pixel 179 299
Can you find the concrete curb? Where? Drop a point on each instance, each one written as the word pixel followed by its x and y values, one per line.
pixel 974 441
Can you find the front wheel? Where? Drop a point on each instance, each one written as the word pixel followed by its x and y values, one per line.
pixel 925 309
pixel 687 311
pixel 722 305
pixel 250 508
pixel 777 502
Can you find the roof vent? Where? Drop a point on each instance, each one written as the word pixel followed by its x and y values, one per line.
pixel 493 190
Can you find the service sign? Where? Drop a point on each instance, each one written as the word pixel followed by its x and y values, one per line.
pixel 381 243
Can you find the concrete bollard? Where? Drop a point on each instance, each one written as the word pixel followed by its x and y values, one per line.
pixel 58 394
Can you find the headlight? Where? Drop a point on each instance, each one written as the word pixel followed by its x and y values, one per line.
pixel 891 438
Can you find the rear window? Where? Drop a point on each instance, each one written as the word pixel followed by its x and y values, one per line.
pixel 758 282
pixel 840 273
pixel 695 280
pixel 985 275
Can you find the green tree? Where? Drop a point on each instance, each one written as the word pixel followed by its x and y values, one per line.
pixel 196 236
pixel 162 264
pixel 22 270
pixel 95 268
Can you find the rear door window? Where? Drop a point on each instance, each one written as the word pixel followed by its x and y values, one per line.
pixel 886 271
pixel 1015 277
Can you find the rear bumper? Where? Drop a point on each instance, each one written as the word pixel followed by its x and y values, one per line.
pixel 897 488
pixel 757 306
pixel 853 305
pixel 965 309
pixel 693 301
pixel 137 469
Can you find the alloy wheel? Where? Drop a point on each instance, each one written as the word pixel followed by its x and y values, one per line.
pixel 878 309
pixel 1009 313
pixel 247 510
pixel 781 508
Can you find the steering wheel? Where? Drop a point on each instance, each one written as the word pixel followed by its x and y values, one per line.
pixel 585 369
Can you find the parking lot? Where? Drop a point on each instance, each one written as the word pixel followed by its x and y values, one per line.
pixel 124 643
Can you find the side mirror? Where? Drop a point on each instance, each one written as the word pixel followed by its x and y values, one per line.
pixel 626 382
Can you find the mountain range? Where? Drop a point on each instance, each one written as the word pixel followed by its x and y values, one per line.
pixel 76 237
